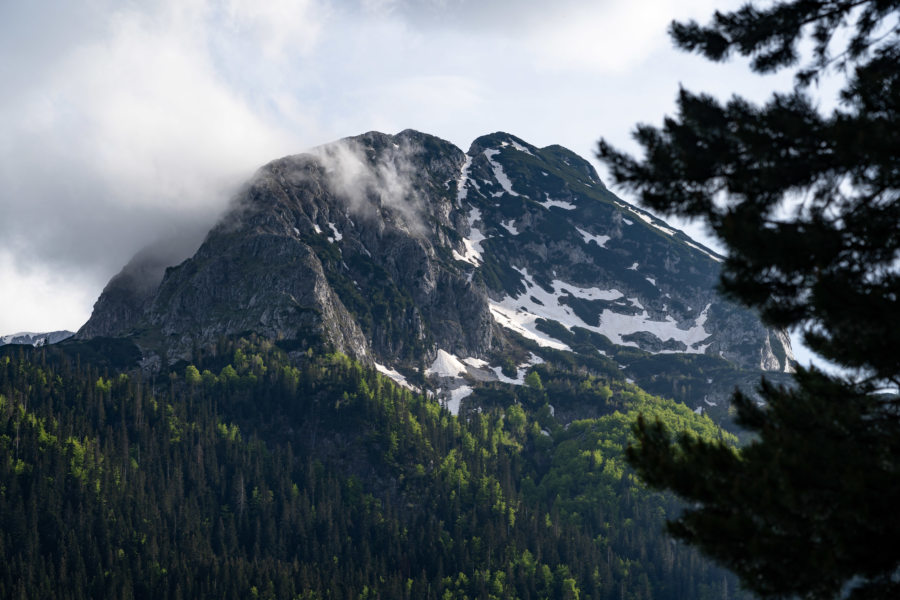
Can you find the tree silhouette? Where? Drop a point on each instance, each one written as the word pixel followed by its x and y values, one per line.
pixel 803 509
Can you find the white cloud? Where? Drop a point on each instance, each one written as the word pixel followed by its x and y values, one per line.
pixel 122 137
pixel 280 28
pixel 603 37
pixel 600 36
pixel 368 187
pixel 40 299
pixel 431 103
pixel 151 117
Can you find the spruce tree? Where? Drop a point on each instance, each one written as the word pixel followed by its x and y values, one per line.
pixel 808 206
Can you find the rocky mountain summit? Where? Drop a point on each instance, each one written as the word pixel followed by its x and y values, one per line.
pixel 407 253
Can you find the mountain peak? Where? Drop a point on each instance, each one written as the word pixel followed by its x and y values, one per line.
pixel 395 248
pixel 498 140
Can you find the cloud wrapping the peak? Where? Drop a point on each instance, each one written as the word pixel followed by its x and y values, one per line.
pixel 371 183
pixel 124 135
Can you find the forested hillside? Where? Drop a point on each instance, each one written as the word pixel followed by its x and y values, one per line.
pixel 249 475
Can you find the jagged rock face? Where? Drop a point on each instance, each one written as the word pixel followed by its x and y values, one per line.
pixel 253 281
pixel 337 246
pixel 392 247
pixel 125 298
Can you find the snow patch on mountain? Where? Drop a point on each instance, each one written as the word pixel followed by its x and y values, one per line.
pixel 456 397
pixel 550 203
pixel 521 370
pixel 517 146
pixel 592 293
pixel 510 226
pixel 696 247
pixel 522 312
pixel 652 223
pixel 461 189
pixel 472 243
pixel 588 237
pixel 446 365
pixel 499 173
pixel 523 322
pixel 393 374
pixel 337 234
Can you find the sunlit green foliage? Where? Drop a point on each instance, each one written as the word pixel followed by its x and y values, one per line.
pixel 322 479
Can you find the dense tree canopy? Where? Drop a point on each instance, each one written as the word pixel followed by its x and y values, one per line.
pixel 252 474
pixel 807 205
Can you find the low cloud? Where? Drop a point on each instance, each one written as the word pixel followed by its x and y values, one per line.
pixel 126 136
pixel 374 181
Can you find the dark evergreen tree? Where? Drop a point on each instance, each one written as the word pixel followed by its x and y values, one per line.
pixel 808 205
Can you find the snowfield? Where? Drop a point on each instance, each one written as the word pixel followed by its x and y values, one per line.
pixel 521 313
pixel 473 254
pixel 499 173
pixel 550 203
pixel 590 237
pixel 400 379
pixel 446 365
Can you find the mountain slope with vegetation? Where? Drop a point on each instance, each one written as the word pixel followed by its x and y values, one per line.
pixel 253 475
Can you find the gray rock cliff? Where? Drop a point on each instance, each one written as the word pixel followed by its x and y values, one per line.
pixel 392 247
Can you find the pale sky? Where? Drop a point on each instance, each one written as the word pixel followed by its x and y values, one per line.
pixel 121 123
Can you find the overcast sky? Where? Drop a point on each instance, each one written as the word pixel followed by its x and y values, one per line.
pixel 123 122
